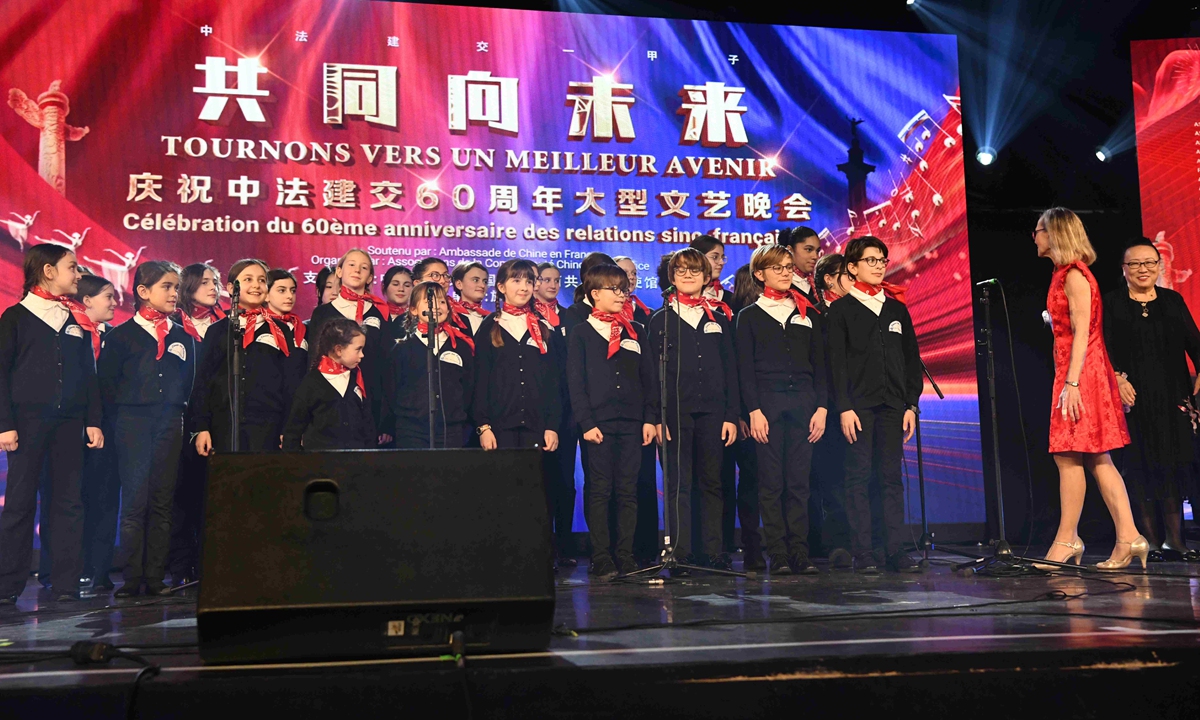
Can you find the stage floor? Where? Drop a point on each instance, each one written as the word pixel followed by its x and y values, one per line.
pixel 719 647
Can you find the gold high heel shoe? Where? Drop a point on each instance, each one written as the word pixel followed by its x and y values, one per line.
pixel 1139 548
pixel 1076 554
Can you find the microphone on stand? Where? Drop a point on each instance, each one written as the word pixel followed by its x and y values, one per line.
pixel 431 360
pixel 989 281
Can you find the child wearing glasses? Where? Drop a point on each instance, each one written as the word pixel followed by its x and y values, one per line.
pixel 702 402
pixel 610 379
pixel 876 387
pixel 781 359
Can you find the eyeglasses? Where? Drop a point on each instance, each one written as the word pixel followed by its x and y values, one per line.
pixel 789 269
pixel 1034 234
pixel 875 261
pixel 689 272
pixel 616 291
pixel 436 276
pixel 1148 264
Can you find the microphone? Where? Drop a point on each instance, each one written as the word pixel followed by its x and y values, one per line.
pixel 989 281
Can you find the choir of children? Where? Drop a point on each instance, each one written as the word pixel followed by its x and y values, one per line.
pixel 814 368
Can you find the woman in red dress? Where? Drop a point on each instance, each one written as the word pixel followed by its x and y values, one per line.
pixel 1087 419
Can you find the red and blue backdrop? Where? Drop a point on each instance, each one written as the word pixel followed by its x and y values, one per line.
pixel 293 130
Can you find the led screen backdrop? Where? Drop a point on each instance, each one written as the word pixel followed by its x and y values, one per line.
pixel 295 130
pixel 1167 119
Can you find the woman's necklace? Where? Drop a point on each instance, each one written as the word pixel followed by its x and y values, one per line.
pixel 1152 296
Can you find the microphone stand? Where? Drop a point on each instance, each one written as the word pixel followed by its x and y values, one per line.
pixel 668 560
pixel 431 362
pixel 925 544
pixel 235 372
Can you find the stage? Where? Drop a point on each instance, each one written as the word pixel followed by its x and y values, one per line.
pixel 1081 643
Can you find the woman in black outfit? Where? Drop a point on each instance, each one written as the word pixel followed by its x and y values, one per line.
pixel 1150 333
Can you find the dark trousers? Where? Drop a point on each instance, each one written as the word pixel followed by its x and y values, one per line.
pixel 59 442
pixel 517 438
pixel 784 464
pixel 692 458
pixel 187 514
pixel 614 471
pixel 747 496
pixel 257 435
pixel 645 534
pixel 148 445
pixel 562 490
pixel 416 437
pixel 829 490
pixel 878 449
pixel 728 497
pixel 101 503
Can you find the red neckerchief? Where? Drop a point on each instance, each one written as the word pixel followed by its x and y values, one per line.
pixel 298 327
pixel 616 322
pixel 79 312
pixel 199 312
pixel 468 306
pixel 252 317
pixel 395 310
pixel 531 323
pixel 160 326
pixel 705 302
pixel 831 295
pixel 895 292
pixel 457 310
pixel 716 286
pixel 802 303
pixel 452 333
pixel 806 277
pixel 628 308
pixel 329 366
pixel 548 310
pixel 348 294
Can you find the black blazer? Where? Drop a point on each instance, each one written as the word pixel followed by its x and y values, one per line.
pixel 614 394
pixel 130 375
pixel 701 362
pixel 406 382
pixel 374 352
pixel 44 373
pixel 775 358
pixel 263 386
pixel 321 419
pixel 875 359
pixel 516 385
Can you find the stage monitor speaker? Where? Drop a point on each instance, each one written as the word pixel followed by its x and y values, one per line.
pixel 329 555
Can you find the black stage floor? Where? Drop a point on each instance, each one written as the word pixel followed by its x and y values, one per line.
pixel 1061 645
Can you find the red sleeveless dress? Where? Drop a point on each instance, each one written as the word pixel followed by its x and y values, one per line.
pixel 1102 427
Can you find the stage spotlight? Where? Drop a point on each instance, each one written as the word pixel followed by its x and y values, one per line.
pixel 986 155
pixel 912 3
pixel 1103 154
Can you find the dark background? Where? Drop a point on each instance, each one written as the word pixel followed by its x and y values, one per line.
pixel 1060 69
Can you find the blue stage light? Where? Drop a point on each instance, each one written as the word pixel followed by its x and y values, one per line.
pixel 1103 154
pixel 986 155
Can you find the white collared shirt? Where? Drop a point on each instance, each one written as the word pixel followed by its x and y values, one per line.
pixel 148 326
pixel 349 308
pixel 50 312
pixel 780 310
pixel 714 294
pixel 604 328
pixel 202 325
pixel 874 303
pixel 474 320
pixel 340 382
pixel 437 345
pixel 514 325
pixel 801 283
pixel 691 315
